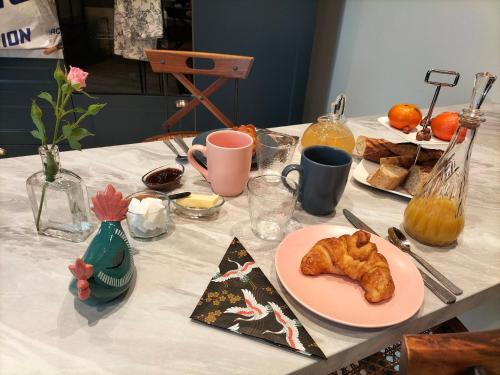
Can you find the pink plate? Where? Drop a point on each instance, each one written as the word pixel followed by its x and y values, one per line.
pixel 340 299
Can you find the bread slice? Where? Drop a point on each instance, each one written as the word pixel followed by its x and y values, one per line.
pixel 400 161
pixel 416 179
pixel 387 176
pixel 372 148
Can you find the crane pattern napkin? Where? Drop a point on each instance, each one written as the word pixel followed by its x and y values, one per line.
pixel 241 299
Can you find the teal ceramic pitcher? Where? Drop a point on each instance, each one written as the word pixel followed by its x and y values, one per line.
pixel 107 267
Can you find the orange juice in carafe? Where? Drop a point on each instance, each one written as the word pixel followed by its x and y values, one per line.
pixel 328 133
pixel 434 220
pixel 330 129
pixel 435 215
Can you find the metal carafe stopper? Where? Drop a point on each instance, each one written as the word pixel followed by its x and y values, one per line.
pixel 482 84
pixel 338 106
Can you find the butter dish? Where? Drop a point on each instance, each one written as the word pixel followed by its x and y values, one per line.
pixel 210 211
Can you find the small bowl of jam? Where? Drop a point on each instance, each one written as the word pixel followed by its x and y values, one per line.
pixel 164 178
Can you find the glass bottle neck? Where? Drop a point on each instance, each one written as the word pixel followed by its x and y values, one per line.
pixel 50 161
pixel 331 118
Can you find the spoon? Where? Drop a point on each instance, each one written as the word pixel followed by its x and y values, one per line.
pixel 180 158
pixel 399 239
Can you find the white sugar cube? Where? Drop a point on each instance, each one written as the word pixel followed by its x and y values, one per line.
pixel 136 207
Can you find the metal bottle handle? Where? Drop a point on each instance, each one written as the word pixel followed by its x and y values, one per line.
pixel 427 119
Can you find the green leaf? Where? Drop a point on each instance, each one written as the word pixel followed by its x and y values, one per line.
pixel 47 97
pixel 59 74
pixel 94 109
pixel 79 133
pixel 74 110
pixel 78 110
pixel 66 88
pixel 36 134
pixel 67 129
pixel 87 95
pixel 36 116
pixel 74 144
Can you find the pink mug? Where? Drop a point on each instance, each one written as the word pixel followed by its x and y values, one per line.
pixel 229 159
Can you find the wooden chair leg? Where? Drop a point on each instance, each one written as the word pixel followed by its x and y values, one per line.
pixel 451 354
pixel 199 95
pixel 176 117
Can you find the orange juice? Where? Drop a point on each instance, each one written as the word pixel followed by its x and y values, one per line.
pixel 433 220
pixel 327 133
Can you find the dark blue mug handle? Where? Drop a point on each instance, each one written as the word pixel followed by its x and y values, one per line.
pixel 286 171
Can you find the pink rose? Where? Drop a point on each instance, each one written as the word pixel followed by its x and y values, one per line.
pixel 77 76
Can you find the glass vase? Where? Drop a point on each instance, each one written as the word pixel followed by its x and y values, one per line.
pixel 59 200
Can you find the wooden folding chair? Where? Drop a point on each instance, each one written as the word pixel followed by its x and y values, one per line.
pixel 452 353
pixel 225 67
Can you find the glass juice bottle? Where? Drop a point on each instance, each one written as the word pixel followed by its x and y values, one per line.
pixel 330 129
pixel 435 215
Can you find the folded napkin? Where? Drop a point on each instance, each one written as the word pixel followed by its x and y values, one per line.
pixel 241 299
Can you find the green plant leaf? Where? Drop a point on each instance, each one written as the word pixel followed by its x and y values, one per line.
pixel 79 133
pixel 94 109
pixel 47 97
pixel 87 95
pixel 66 88
pixel 67 129
pixel 36 116
pixel 74 144
pixel 59 74
pixel 36 134
pixel 74 110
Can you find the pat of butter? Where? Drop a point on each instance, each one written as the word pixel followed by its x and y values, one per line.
pixel 199 201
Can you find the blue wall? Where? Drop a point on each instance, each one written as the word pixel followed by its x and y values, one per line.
pixel 279 35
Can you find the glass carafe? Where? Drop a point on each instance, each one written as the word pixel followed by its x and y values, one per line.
pixel 330 129
pixel 435 215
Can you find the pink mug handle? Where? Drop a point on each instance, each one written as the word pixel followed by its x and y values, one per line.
pixel 194 163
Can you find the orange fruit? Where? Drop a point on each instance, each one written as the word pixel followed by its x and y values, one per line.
pixel 404 116
pixel 445 124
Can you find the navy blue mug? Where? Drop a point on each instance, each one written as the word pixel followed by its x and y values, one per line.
pixel 323 174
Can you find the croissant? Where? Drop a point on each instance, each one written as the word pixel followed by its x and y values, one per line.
pixel 353 256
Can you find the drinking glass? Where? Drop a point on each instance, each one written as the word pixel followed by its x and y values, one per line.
pixel 271 201
pixel 274 151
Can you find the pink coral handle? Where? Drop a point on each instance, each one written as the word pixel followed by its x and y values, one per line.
pixel 82 271
pixel 109 205
pixel 194 163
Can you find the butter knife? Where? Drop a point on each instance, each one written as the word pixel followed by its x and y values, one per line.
pixel 356 222
pixel 441 292
pixel 181 144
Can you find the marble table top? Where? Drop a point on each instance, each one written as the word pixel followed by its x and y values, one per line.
pixel 43 330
